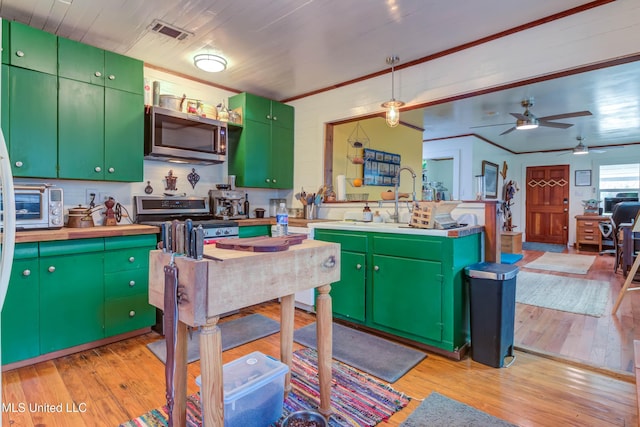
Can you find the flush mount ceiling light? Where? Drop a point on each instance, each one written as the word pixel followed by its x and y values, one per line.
pixel 210 63
pixel 393 107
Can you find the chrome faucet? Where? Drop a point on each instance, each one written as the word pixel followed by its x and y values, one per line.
pixel 396 189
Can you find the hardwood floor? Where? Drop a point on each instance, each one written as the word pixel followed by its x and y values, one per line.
pixel 117 382
pixel 603 342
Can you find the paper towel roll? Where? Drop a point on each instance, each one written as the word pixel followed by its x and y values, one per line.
pixel 341 187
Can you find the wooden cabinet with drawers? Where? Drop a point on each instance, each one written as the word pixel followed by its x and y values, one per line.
pixel 587 230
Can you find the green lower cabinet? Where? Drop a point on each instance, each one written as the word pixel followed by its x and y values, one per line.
pixel 254 231
pixel 407 297
pixel 411 286
pixel 348 295
pixel 71 298
pixel 21 310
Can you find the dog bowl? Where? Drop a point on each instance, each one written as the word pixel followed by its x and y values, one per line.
pixel 304 419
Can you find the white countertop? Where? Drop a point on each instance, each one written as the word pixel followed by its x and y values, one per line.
pixel 396 228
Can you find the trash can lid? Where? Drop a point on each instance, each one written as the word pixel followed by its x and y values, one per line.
pixel 490 270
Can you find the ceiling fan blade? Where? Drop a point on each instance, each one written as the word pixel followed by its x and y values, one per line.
pixel 486 126
pixel 508 130
pixel 554 125
pixel 566 115
pixel 519 116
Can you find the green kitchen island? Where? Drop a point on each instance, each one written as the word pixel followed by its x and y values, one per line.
pixel 405 283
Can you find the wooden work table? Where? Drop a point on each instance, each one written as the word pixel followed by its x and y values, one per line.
pixel 228 280
pixel 634 268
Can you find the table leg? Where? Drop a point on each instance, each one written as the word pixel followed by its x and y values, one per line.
pixel 627 282
pixel 212 390
pixel 324 339
pixel 179 414
pixel 287 314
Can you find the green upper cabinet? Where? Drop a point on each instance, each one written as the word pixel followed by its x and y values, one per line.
pixel 81 62
pixel 33 146
pixel 31 48
pixel 5 42
pixel 81 130
pixel 124 135
pixel 261 152
pixel 101 114
pixel 123 73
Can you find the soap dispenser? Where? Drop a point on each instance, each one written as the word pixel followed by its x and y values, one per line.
pixel 367 216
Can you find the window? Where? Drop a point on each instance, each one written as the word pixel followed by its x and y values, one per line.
pixel 619 183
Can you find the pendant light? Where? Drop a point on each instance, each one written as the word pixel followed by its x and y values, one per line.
pixel 393 107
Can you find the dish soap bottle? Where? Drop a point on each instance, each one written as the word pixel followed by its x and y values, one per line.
pixel 367 216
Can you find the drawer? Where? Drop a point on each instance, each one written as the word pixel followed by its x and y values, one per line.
pixel 588 238
pixel 123 284
pixel 128 314
pixel 408 247
pixel 352 242
pixel 126 259
pixel 124 242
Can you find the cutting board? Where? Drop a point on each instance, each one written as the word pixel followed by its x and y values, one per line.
pixel 262 243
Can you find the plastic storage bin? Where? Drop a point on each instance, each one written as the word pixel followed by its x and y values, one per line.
pixel 493 306
pixel 253 390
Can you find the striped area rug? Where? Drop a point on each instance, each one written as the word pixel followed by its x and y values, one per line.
pixel 357 399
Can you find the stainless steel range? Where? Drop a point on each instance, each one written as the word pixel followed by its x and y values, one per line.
pixel 157 210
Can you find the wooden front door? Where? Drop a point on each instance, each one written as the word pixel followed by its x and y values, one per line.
pixel 547 204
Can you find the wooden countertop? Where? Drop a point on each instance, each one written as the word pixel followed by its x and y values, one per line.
pixel 84 233
pixel 294 222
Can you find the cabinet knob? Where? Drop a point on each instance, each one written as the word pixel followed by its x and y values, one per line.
pixel 98 169
pixel 267 180
pixel 376 268
pixel 112 77
pixel 358 266
pixel 51 269
pixel 274 180
pixel 275 117
pixel 98 74
pixel 19 53
pixel 132 283
pixel 26 273
pixel 111 170
pixel 19 164
pixel 132 259
pixel 269 116
pixel 132 313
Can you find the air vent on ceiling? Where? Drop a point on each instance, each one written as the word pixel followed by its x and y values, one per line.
pixel 168 30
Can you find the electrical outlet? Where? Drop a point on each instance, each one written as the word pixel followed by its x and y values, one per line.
pixel 91 195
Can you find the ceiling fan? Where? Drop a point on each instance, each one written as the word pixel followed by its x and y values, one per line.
pixel 528 120
pixel 582 149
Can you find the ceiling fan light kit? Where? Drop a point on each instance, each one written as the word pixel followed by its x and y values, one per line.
pixel 392 115
pixel 530 123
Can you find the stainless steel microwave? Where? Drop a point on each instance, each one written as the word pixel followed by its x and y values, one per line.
pixel 184 138
pixel 38 206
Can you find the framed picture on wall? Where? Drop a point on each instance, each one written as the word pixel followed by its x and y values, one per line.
pixel 490 173
pixel 583 178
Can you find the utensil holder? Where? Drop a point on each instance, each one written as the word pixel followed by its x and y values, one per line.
pixel 310 212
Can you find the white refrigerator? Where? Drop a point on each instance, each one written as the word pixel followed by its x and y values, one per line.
pixel 7 224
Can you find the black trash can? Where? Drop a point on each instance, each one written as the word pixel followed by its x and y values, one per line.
pixel 492 290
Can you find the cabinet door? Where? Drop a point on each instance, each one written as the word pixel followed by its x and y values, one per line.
pixel 252 152
pixel 33 49
pixel 20 313
pixel 81 130
pixel 256 108
pixel 79 61
pixel 123 73
pixel 4 108
pixel 254 231
pixel 411 307
pixel 348 295
pixel 71 300
pixel 281 157
pixel 282 114
pixel 33 123
pixel 124 136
